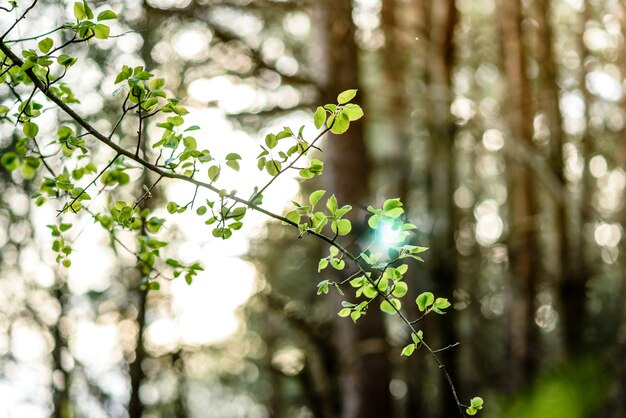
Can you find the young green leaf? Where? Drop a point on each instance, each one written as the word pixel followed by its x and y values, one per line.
pixel 441 303
pixel 10 161
pixel 320 117
pixel 101 31
pixel 30 129
pixel 344 312
pixel 106 15
pixel 408 350
pixel 45 45
pixel 316 196
pixel 79 11
pixel 388 308
pixel 353 111
pixel 343 227
pixel 273 167
pixel 341 124
pixel 331 204
pixel 214 172
pixel 424 300
pixel 345 96
pixel 293 216
pixel 400 289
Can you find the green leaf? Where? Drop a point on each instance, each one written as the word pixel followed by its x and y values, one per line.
pixel 306 173
pixel 343 227
pixel 233 164
pixel 400 289
pixel 101 31
pixel 320 117
pixel 441 303
pixel 190 143
pixel 408 350
pixel 391 204
pixel 172 207
pixel 172 263
pixel 417 337
pixel 322 264
pixel 353 111
pixel 10 161
pixel 214 172
pixel 344 312
pixel 388 308
pixel 271 141
pixel 345 96
pixel 337 264
pixel 355 315
pixel 393 213
pixel 87 10
pixel 106 15
pixel 45 45
pixel 331 204
pixel 30 129
pixel 369 291
pixel 273 167
pixel 201 210
pixel 79 11
pixel 341 124
pixel 424 300
pixel 293 216
pixel 66 60
pixel 30 166
pixel 316 196
pixel 477 402
pixel 373 221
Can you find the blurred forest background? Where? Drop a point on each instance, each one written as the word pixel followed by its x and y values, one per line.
pixel 500 123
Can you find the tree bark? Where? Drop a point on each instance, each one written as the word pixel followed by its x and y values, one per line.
pixel 362 349
pixel 61 405
pixel 523 240
pixel 572 271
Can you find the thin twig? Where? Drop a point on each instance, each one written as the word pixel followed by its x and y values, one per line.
pixel 18 21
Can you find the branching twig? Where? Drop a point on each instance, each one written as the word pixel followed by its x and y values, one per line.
pixel 249 203
pixel 75 199
pixel 28 9
pixel 147 193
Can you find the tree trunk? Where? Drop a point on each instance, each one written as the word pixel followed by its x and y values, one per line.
pixel 136 406
pixel 523 241
pixel 442 183
pixel 61 405
pixel 571 274
pixel 362 348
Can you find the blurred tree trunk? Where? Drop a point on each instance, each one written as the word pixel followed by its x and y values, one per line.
pixel 571 274
pixel 523 240
pixel 397 152
pixel 620 355
pixel 363 349
pixel 61 377
pixel 442 180
pixel 136 406
pixel 394 59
